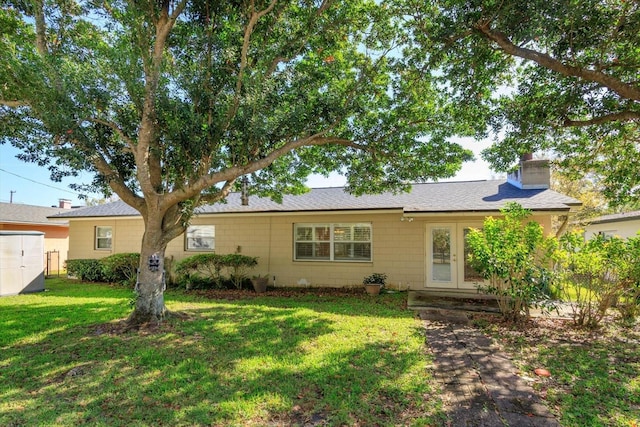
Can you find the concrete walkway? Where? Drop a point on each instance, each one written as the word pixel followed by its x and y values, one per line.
pixel 479 381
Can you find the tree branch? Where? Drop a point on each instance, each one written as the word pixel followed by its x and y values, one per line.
pixel 624 116
pixel 117 184
pixel 220 194
pixel 255 16
pixel 41 28
pixel 623 89
pixel 230 174
pixel 149 168
pixel 13 104
pixel 116 128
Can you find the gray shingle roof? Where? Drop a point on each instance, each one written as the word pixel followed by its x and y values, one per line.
pixel 16 213
pixel 468 196
pixel 626 216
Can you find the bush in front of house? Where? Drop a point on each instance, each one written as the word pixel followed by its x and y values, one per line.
pixel 239 266
pixel 205 271
pixel 121 268
pixel 87 270
pixel 514 257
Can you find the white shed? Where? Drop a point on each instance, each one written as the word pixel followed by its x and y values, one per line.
pixel 21 262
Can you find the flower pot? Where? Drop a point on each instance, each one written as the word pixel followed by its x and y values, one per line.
pixel 373 288
pixel 260 284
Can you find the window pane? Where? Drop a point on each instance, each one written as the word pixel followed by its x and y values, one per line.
pixel 104 243
pixel 200 237
pixel 322 233
pixel 470 274
pixel 362 233
pixel 362 251
pixel 342 250
pixel 341 233
pixel 304 233
pixel 441 254
pixel 352 251
pixel 322 250
pixel 103 232
pixel 304 250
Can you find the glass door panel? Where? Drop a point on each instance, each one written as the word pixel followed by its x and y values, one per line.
pixel 441 270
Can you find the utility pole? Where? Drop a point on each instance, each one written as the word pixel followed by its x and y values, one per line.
pixel 11 196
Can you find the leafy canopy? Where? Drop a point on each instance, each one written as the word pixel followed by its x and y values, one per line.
pixel 179 98
pixel 550 75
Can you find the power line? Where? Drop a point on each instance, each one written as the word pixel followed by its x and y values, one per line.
pixel 40 183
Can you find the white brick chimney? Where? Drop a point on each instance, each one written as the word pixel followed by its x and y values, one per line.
pixel 531 175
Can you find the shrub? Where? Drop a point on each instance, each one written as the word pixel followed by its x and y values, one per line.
pixel 601 273
pixel 629 304
pixel 206 270
pixel 514 257
pixel 121 268
pixel 375 278
pixel 191 270
pixel 239 266
pixel 87 270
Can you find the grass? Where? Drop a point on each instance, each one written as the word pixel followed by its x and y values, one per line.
pixel 595 374
pixel 336 360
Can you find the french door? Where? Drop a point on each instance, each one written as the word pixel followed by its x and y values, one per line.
pixel 447 264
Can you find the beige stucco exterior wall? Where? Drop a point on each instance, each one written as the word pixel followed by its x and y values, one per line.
pixel 398 247
pixel 624 229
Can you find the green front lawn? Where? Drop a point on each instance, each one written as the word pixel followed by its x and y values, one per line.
pixel 595 375
pixel 333 359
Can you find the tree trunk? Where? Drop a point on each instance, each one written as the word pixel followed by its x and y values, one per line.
pixel 149 307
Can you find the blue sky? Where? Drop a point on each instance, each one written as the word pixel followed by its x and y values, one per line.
pixel 32 185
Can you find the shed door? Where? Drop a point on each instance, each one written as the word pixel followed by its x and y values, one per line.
pixel 10 264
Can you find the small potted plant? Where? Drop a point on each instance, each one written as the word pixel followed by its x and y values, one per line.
pixel 374 283
pixel 260 283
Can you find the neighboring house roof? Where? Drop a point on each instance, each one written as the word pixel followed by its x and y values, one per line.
pixel 626 216
pixel 15 213
pixel 443 197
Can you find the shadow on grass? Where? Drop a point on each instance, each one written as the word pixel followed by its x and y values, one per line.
pixel 260 361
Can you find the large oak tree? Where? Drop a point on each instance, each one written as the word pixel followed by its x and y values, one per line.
pixel 170 102
pixel 561 76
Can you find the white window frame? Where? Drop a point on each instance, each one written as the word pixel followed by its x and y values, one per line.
pixel 332 241
pixel 198 228
pixel 98 237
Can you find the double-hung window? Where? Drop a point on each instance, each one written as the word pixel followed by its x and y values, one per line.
pixel 103 238
pixel 332 242
pixel 200 238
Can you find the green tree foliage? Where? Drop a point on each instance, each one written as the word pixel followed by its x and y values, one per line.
pixel 587 189
pixel 169 103
pixel 552 75
pixel 598 274
pixel 514 258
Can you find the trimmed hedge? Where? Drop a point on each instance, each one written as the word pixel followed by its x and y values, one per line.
pixel 116 268
pixel 121 268
pixel 87 270
pixel 200 271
